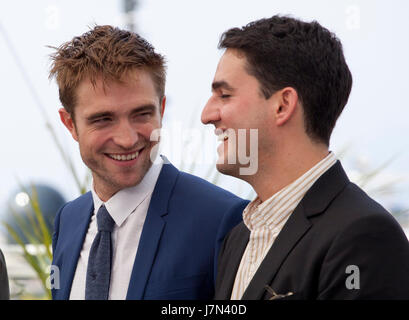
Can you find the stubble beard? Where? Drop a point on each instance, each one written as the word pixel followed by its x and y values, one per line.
pixel 108 182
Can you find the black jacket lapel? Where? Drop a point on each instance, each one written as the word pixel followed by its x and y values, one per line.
pixel 315 201
pixel 230 258
pixel 296 226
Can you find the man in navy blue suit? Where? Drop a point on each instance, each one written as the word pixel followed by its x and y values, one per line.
pixel 164 226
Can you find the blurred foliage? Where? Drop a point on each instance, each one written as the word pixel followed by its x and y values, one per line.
pixel 39 253
pixel 35 229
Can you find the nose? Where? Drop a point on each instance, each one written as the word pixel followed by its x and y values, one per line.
pixel 211 112
pixel 126 136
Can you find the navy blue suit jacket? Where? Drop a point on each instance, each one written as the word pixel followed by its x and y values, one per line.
pixel 186 223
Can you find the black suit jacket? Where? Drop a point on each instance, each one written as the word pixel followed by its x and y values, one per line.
pixel 336 225
pixel 4 281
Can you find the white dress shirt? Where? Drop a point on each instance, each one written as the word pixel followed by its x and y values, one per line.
pixel 128 208
pixel 266 219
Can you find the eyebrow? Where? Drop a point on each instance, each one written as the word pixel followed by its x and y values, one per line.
pixel 146 107
pixel 99 115
pixel 102 114
pixel 221 84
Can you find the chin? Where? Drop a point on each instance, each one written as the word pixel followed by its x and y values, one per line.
pixel 120 183
pixel 228 169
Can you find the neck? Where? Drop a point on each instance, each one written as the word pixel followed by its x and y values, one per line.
pixel 283 167
pixel 102 192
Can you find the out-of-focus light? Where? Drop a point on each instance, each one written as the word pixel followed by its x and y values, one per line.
pixel 22 199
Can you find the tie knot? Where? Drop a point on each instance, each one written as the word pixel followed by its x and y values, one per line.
pixel 104 220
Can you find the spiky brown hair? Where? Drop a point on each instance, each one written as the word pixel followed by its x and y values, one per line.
pixel 106 52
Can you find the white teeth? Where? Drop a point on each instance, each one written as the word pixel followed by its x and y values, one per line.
pixel 124 157
pixel 223 136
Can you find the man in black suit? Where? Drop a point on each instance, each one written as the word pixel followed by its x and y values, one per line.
pixel 4 281
pixel 310 233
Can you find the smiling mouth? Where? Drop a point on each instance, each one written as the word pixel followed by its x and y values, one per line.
pixel 123 157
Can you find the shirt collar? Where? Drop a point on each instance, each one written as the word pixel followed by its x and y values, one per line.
pixel 258 214
pixel 122 204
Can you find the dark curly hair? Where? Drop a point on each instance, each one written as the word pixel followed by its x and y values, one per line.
pixel 285 52
pixel 104 51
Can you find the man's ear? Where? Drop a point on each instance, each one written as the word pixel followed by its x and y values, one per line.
pixel 162 106
pixel 68 122
pixel 286 105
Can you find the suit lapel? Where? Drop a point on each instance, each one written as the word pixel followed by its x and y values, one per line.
pixel 79 222
pixel 239 240
pixel 152 231
pixel 315 201
pixel 296 226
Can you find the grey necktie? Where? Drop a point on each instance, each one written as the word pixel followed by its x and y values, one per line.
pixel 99 261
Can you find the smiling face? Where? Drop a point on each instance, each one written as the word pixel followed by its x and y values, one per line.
pixel 237 103
pixel 113 125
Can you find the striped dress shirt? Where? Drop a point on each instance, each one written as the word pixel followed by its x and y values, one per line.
pixel 265 221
